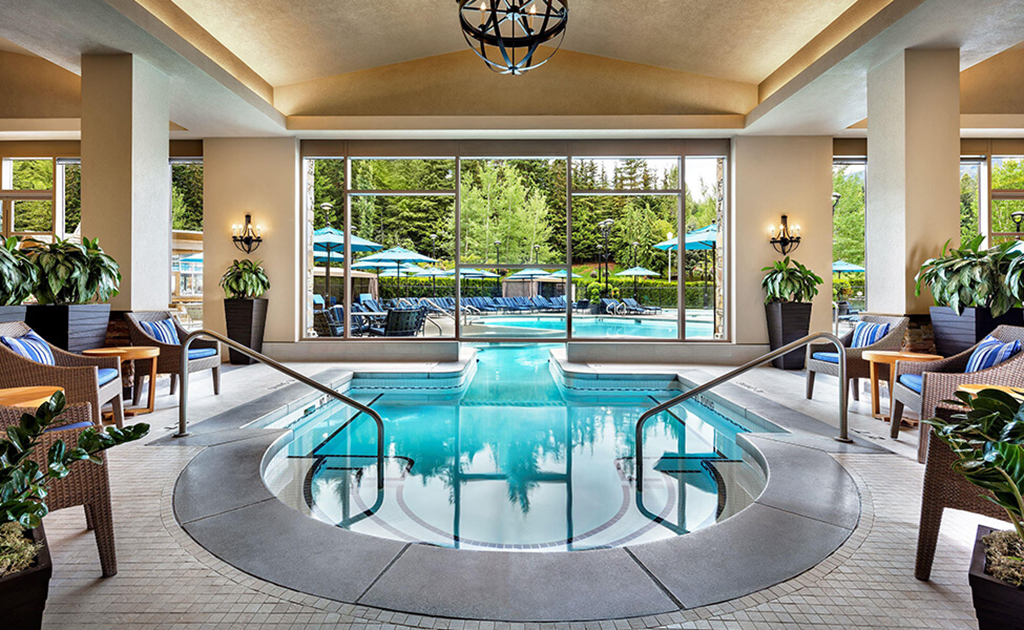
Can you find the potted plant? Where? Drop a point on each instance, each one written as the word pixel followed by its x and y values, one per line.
pixel 245 311
pixel 594 294
pixel 789 288
pixel 988 441
pixel 18 277
pixel 74 283
pixel 25 565
pixel 971 292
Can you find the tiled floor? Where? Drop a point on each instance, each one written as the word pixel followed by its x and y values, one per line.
pixel 167 581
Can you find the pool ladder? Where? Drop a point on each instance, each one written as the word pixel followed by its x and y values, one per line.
pixel 746 367
pixel 302 378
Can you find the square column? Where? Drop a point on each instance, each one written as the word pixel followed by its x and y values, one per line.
pixel 126 181
pixel 913 173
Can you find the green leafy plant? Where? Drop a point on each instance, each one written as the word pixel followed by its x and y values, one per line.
pixel 73 273
pixel 971 277
pixel 18 276
pixel 841 288
pixel 245 279
pixel 23 480
pixel 789 281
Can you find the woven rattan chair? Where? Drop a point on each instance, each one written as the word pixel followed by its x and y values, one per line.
pixel 940 380
pixel 856 366
pixel 87 485
pixel 943 489
pixel 169 361
pixel 77 374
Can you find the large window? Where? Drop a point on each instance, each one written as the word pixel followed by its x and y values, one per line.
pixel 1007 213
pixel 511 247
pixel 849 286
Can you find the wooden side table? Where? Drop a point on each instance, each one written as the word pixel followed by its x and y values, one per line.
pixel 889 357
pixel 27 397
pixel 133 353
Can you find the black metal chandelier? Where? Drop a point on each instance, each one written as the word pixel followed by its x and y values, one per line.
pixel 506 34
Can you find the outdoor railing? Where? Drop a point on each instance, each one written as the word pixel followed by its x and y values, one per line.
pixel 746 367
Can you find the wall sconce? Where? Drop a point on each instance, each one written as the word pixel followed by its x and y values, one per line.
pixel 783 239
pixel 246 237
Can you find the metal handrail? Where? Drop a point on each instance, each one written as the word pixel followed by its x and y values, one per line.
pixel 302 378
pixel 746 367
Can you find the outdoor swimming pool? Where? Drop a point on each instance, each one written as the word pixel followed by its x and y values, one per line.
pixel 512 466
pixel 597 327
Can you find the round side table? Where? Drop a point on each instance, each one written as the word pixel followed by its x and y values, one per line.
pixel 133 353
pixel 27 397
pixel 889 357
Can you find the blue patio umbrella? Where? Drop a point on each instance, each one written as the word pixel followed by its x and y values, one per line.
pixel 397 256
pixel 529 274
pixel 561 274
pixel 706 238
pixel 841 266
pixel 328 241
pixel 637 272
pixel 432 273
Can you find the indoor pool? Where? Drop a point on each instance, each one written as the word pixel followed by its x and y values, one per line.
pixel 598 327
pixel 511 465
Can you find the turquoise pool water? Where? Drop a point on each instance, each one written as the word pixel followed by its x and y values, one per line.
pixel 512 465
pixel 598 327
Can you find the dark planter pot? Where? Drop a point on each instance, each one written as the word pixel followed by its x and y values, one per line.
pixel 23 595
pixel 954 334
pixel 12 314
pixel 998 605
pixel 246 321
pixel 787 322
pixel 595 309
pixel 73 327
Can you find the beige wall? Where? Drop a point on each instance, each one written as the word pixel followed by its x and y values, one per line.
pixel 458 84
pixel 259 176
pixel 772 176
pixel 994 86
pixel 31 87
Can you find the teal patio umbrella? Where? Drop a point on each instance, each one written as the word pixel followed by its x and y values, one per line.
pixel 397 256
pixel 328 241
pixel 637 272
pixel 706 238
pixel 432 273
pixel 841 266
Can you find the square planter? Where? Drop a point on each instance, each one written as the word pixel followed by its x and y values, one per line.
pixel 74 327
pixel 998 605
pixel 246 321
pixel 12 314
pixel 954 334
pixel 787 322
pixel 23 595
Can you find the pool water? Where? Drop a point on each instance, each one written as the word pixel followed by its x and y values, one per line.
pixel 511 465
pixel 598 327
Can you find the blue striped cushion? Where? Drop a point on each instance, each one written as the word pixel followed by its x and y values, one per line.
pixel 991 352
pixel 163 331
pixel 866 334
pixel 31 346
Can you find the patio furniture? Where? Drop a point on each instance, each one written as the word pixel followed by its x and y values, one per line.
pixel 93 380
pixel 202 354
pixel 635 306
pixel 27 397
pixel 922 387
pixel 134 353
pixel 944 488
pixel 87 485
pixel 324 324
pixel 582 306
pixel 888 358
pixel 821 360
pixel 400 322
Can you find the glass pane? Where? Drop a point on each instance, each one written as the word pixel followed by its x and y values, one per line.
pixel 1002 214
pixel 31 174
pixel 33 216
pixel 705 248
pixel 848 234
pixel 403 174
pixel 324 198
pixel 513 211
pixel 72 196
pixel 625 290
pixel 970 178
pixel 187 196
pixel 1008 173
pixel 523 304
pixel 625 174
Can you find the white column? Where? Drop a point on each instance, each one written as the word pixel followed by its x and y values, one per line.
pixel 913 173
pixel 126 184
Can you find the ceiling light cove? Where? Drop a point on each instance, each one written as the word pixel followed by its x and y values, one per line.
pixel 507 34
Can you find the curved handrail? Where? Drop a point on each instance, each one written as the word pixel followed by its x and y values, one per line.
pixel 746 367
pixel 302 378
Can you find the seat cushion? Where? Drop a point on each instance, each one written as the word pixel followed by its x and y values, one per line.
pixel 990 353
pixel 831 357
pixel 201 353
pixel 106 375
pixel 163 331
pixel 30 346
pixel 85 424
pixel 867 333
pixel 912 381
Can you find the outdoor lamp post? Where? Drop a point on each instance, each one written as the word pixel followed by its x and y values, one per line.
pixel 497 259
pixel 536 253
pixel 669 258
pixel 635 246
pixel 1017 218
pixel 433 278
pixel 605 227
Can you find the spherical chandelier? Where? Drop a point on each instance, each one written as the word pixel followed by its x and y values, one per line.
pixel 506 34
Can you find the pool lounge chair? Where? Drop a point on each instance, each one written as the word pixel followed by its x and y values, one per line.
pixel 635 306
pixel 581 306
pixel 823 359
pixel 612 307
pixel 401 322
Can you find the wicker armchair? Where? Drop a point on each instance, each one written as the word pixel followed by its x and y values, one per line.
pixel 77 374
pixel 856 366
pixel 169 361
pixel 943 489
pixel 940 380
pixel 87 485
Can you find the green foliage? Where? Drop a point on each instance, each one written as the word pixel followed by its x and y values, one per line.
pixel 785 283
pixel 841 288
pixel 594 291
pixel 989 444
pixel 23 481
pixel 848 219
pixel 18 276
pixel 245 279
pixel 72 197
pixel 1007 173
pixel 187 196
pixel 969 228
pixel 73 273
pixel 970 277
